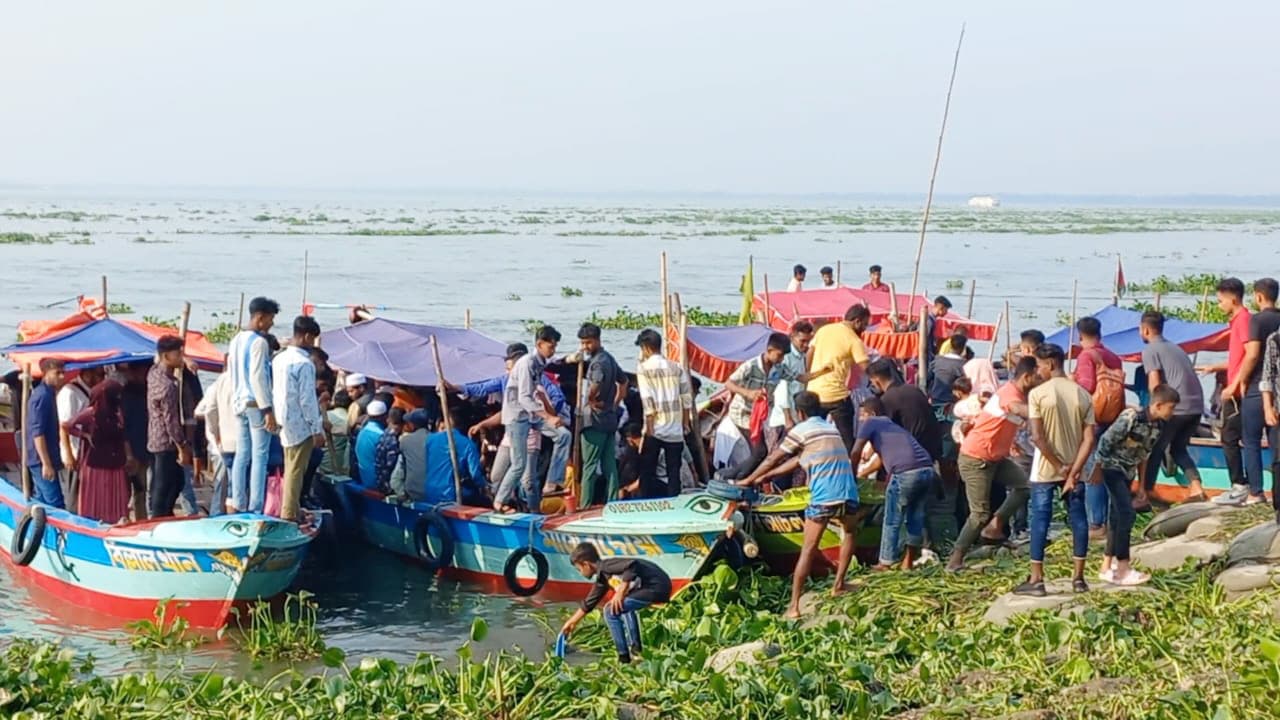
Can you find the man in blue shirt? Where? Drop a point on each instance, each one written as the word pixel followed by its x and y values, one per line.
pixel 367 444
pixel 439 479
pixel 44 458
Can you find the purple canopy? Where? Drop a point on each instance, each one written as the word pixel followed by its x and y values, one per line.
pixel 400 352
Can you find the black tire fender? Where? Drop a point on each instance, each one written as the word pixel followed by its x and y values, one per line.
pixel 426 523
pixel 20 550
pixel 513 562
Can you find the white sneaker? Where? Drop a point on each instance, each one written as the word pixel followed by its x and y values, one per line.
pixel 1255 499
pixel 1235 496
pixel 1107 575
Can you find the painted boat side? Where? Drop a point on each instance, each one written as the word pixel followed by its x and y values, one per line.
pixel 1211 461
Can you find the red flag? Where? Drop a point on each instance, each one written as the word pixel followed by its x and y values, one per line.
pixel 1120 284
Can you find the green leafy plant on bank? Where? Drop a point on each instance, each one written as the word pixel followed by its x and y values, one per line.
pixel 624 318
pixel 292 635
pixel 1188 284
pixel 164 631
pixel 221 332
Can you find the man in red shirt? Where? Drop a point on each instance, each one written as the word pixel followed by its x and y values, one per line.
pixel 1092 354
pixel 985 458
pixel 875 283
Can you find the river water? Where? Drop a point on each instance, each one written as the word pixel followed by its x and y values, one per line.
pixel 514 259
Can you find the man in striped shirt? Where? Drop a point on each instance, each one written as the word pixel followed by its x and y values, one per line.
pixel 816 445
pixel 667 399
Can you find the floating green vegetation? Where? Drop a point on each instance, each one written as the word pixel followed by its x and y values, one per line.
pixel 156 241
pixel 569 292
pixel 221 332
pixel 1189 284
pixel 512 297
pixel 624 318
pixel 119 308
pixel 1203 311
pixel 165 631
pixel 532 326
pixel 426 232
pixel 955 284
pixel 262 217
pixel 171 323
pixel 291 636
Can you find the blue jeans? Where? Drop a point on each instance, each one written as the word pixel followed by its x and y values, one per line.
pixel 189 490
pixel 904 502
pixel 1041 512
pixel 1096 502
pixel 563 439
pixel 222 463
pixel 1122 515
pixel 249 490
pixel 48 492
pixel 626 620
pixel 531 490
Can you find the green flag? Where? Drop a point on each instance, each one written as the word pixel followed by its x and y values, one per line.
pixel 748 289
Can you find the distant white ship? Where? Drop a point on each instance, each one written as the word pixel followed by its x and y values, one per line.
pixel 984 202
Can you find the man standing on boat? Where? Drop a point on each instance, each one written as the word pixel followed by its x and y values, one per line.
pixel 828 277
pixel 521 410
pixel 876 285
pixel 294 398
pixel 72 398
pixel 606 387
pixel 839 346
pixel 41 434
pixel 798 274
pixel 667 399
pixel 1167 364
pixel 166 439
pixel 250 369
pixel 1242 408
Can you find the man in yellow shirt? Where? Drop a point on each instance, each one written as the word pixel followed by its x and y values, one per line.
pixel 839 346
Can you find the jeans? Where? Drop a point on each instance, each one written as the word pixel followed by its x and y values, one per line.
pixel 563 439
pixel 1253 425
pixel 166 483
pixel 502 463
pixel 48 492
pixel 599 457
pixel 940 522
pixel 518 432
pixel 624 624
pixel 1122 514
pixel 841 414
pixel 1174 437
pixel 1274 438
pixel 1096 500
pixel 672 453
pixel 188 494
pixel 1041 512
pixel 249 472
pixel 904 502
pixel 978 476
pixel 221 463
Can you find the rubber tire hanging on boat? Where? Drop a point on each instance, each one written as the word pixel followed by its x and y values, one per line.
pixel 426 522
pixel 513 563
pixel 20 550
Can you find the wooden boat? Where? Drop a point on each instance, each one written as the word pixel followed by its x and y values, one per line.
pixel 527 554
pixel 776 522
pixel 1212 463
pixel 205 565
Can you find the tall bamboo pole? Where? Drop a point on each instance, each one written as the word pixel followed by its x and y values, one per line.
pixel 240 317
pixel 1071 330
pixel 922 374
pixel 666 301
pixel 26 422
pixel 838 263
pixel 466 319
pixel 448 422
pixel 893 307
pixel 973 286
pixel 768 309
pixel 306 276
pixel 182 374
pixel 995 338
pixel 1008 326
pixel 104 294
pixel 933 176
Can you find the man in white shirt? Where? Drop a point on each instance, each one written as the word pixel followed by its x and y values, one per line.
pixel 221 429
pixel 250 370
pixel 667 399
pixel 295 403
pixel 71 399
pixel 798 274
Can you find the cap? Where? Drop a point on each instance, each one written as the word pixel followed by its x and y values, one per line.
pixel 417 418
pixel 356 380
pixel 376 408
pixel 515 350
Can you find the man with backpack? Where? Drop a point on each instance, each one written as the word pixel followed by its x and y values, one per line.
pixel 1101 373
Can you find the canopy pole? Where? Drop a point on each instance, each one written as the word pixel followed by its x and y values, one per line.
pixel 240 318
pixel 677 308
pixel 922 373
pixel 698 449
pixel 306 272
pixel 466 319
pixel 995 337
pixel 182 335
pixel 893 307
pixel 1071 331
pixel 1156 304
pixel 768 309
pixel 933 176
pixel 1008 326
pixel 448 421
pixel 973 286
pixel 837 273
pixel 26 454
pixel 666 301
pixel 104 294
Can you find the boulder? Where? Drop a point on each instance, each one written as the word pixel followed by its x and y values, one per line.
pixel 1258 544
pixel 1241 580
pixel 825 620
pixel 1171 553
pixel 750 654
pixel 632 711
pixel 811 600
pixel 1175 520
pixel 1205 528
pixel 1008 605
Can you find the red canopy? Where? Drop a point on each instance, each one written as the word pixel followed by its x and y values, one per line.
pixel 830 304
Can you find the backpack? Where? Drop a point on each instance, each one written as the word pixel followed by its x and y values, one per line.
pixel 1108 391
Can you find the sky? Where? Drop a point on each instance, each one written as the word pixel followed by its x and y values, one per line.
pixel 740 96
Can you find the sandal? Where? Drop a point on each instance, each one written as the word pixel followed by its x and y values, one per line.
pixel 1079 586
pixel 1031 589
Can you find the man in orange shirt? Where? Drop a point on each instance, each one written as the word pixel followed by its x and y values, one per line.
pixel 985 458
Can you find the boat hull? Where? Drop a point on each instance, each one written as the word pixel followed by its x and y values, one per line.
pixel 777 525
pixel 206 566
pixel 1211 461
pixel 677 534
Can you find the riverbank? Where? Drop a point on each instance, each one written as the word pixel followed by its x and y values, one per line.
pixel 906 646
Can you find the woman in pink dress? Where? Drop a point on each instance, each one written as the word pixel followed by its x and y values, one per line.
pixel 104 485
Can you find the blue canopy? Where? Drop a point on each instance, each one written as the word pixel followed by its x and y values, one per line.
pixel 1120 333
pixel 108 341
pixel 400 352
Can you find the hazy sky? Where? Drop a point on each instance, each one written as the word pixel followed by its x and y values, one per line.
pixel 734 96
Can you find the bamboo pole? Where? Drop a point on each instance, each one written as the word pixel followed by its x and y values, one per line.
pixel 240 318
pixel 698 450
pixel 466 319
pixel 1156 304
pixel 182 335
pixel 922 373
pixel 26 421
pixel 1071 330
pixel 448 422
pixel 893 307
pixel 933 176
pixel 666 307
pixel 995 338
pixel 1008 326
pixel 677 308
pixel 973 286
pixel 768 309
pixel 838 273
pixel 306 272
pixel 104 294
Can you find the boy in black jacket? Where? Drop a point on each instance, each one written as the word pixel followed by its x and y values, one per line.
pixel 636 584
